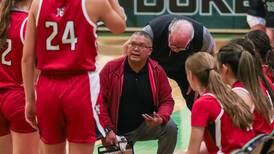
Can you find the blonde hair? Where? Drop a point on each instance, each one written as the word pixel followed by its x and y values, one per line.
pixel 202 65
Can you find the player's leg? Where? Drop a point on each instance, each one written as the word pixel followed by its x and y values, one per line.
pixel 50 115
pixel 25 143
pixel 76 148
pixel 81 114
pixel 5 144
pixel 21 131
pixel 5 137
pixel 165 134
pixel 59 148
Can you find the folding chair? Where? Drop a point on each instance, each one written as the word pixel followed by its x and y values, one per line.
pixel 268 147
pixel 261 144
pixel 123 148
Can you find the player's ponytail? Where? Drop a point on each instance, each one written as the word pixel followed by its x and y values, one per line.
pixel 245 67
pixel 203 66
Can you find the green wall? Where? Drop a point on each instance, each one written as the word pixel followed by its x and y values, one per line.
pixel 217 14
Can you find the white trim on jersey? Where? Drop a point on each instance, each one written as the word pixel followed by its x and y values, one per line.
pixel 94 84
pixel 269 97
pixel 39 10
pixel 22 30
pixel 218 133
pixel 271 103
pixel 245 91
pixel 241 89
pixel 86 14
pixel 89 20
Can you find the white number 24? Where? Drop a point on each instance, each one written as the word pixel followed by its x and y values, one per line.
pixel 67 38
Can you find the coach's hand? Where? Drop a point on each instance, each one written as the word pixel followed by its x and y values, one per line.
pixel 111 138
pixel 153 121
pixel 30 114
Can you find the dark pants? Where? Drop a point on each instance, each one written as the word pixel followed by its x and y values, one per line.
pixel 181 80
pixel 165 134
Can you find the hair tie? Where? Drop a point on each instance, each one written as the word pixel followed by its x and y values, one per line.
pixel 210 69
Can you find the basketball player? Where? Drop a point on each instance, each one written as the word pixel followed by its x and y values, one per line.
pixel 14 130
pixel 61 35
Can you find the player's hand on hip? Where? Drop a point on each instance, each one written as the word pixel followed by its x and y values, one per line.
pixel 30 114
pixel 152 120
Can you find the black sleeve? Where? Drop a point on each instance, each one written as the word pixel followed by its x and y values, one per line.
pixel 256 8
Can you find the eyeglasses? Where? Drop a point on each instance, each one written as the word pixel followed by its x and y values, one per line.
pixel 139 46
pixel 175 48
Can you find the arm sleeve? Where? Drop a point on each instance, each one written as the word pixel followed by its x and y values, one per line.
pixel 208 42
pixel 104 82
pixel 148 29
pixel 199 114
pixel 166 102
pixel 255 20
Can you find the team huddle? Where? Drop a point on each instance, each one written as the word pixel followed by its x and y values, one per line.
pixel 52 93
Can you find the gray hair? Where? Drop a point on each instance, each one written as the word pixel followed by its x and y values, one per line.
pixel 176 21
pixel 143 33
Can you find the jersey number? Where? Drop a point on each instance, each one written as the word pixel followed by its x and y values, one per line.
pixel 67 38
pixel 5 53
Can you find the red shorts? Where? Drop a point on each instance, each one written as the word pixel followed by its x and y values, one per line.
pixel 64 107
pixel 12 112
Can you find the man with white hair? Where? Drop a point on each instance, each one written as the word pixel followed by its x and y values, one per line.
pixel 174 39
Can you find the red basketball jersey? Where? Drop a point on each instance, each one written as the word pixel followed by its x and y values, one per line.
pixel 226 136
pixel 66 37
pixel 11 55
pixel 260 124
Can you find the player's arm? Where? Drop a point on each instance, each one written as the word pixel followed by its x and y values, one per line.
pixel 28 59
pixel 199 119
pixel 196 139
pixel 118 8
pixel 111 13
pixel 28 66
pixel 23 36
